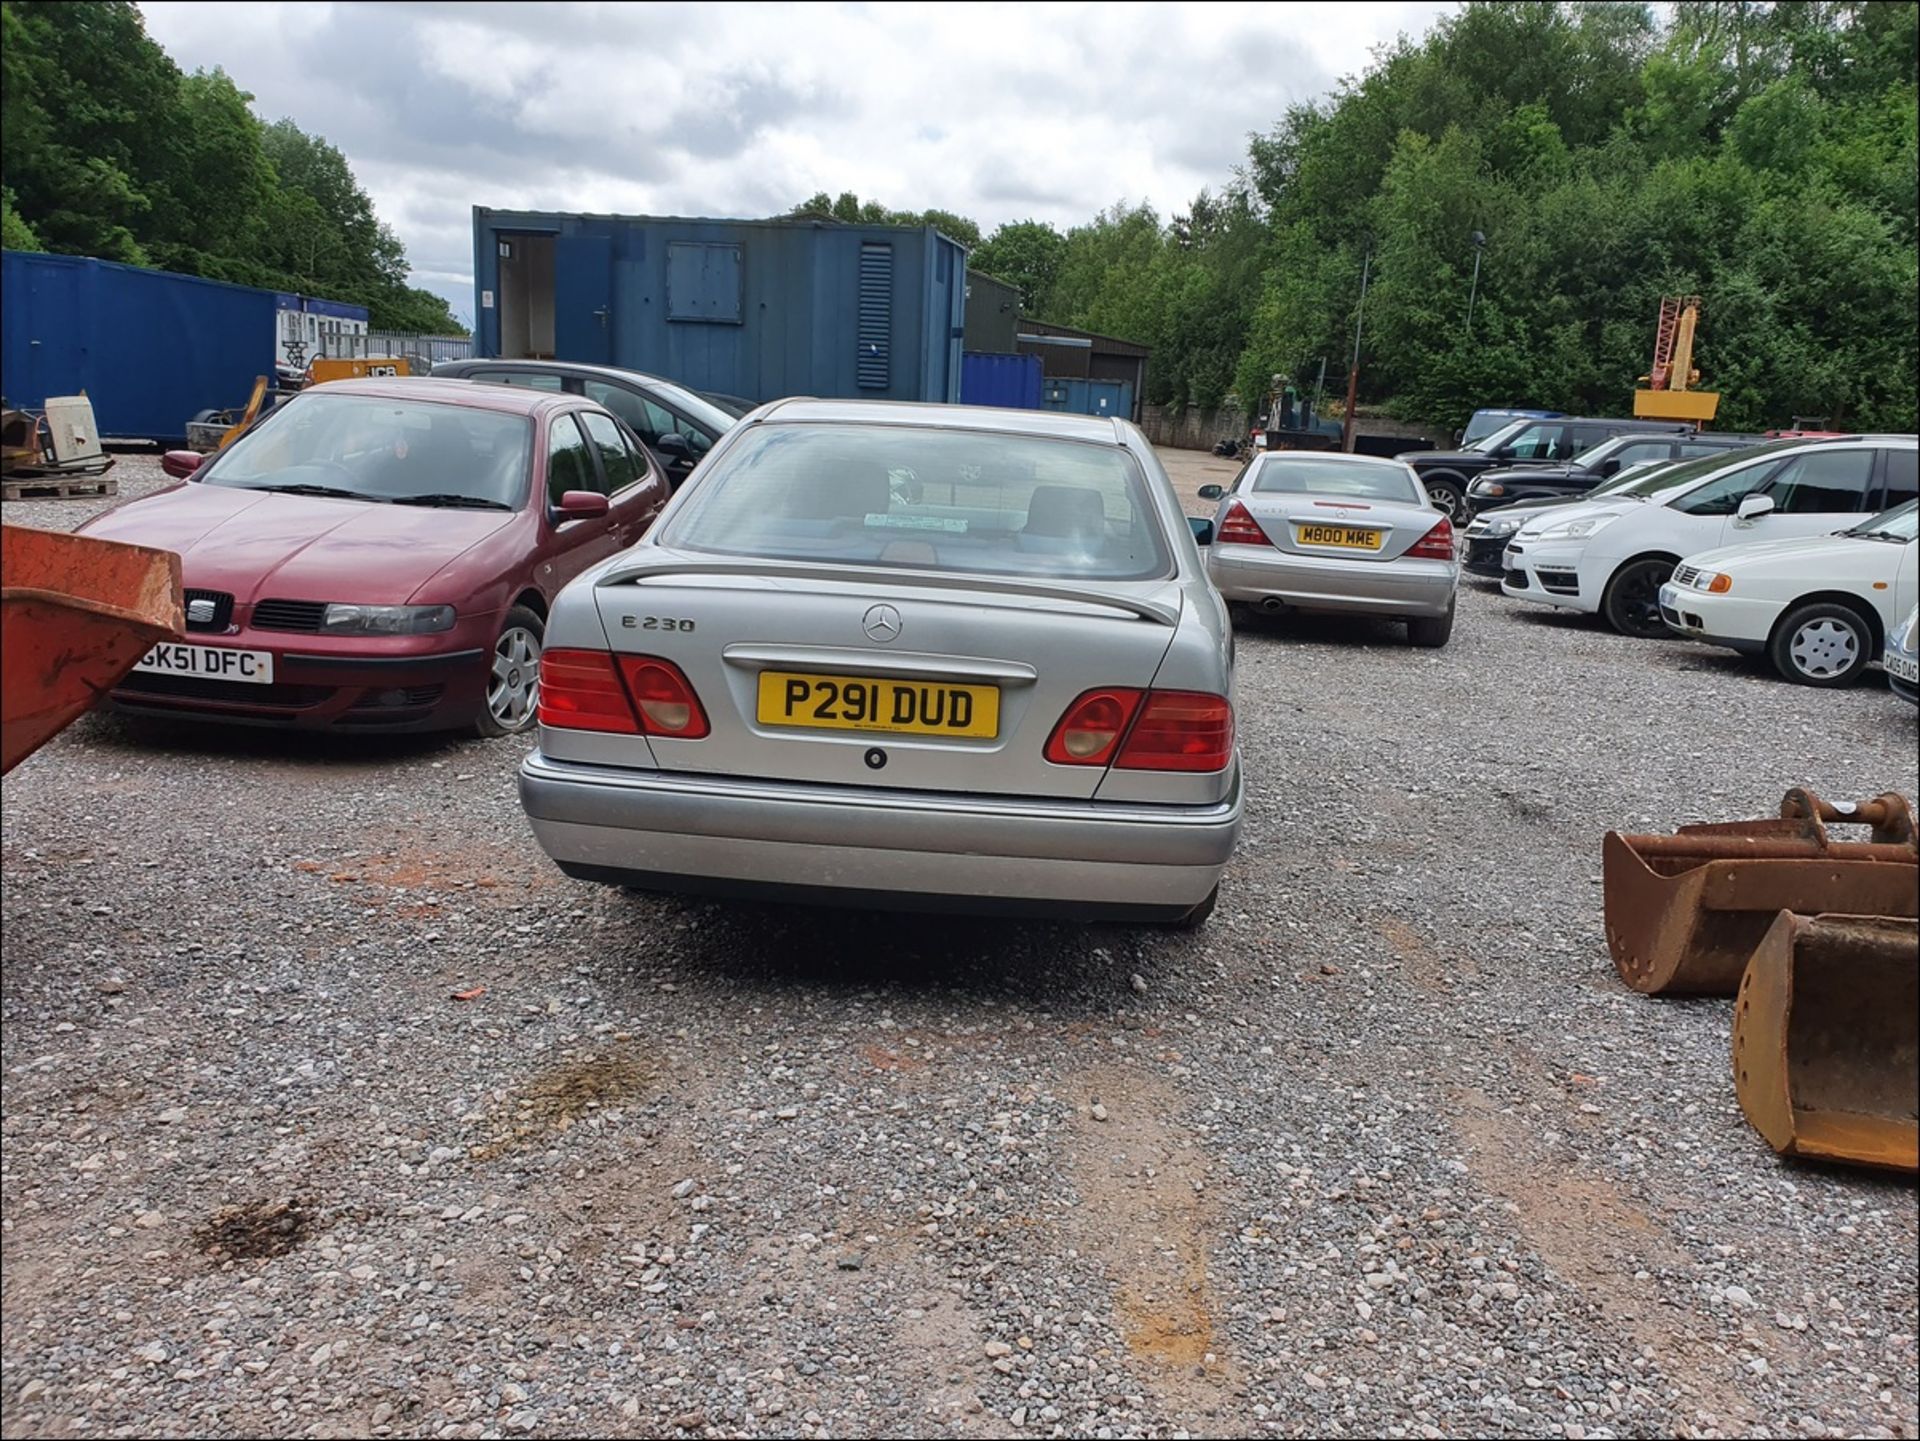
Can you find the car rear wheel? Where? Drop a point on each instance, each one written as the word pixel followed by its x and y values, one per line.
pixel 1823 644
pixel 1632 600
pixel 1430 630
pixel 513 681
pixel 1194 919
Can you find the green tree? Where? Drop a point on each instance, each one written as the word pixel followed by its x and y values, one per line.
pixel 1025 253
pixel 108 150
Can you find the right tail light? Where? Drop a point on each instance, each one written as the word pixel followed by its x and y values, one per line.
pixel 1155 730
pixel 1436 544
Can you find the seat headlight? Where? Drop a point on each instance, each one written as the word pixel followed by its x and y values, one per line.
pixel 342 619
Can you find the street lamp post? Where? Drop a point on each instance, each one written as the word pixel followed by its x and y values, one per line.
pixel 1479 244
pixel 1353 372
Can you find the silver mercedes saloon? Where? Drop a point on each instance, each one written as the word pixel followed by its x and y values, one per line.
pixel 898 656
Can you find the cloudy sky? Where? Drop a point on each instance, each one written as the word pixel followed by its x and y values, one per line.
pixel 997 112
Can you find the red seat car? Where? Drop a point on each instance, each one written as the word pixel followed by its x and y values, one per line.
pixel 381 554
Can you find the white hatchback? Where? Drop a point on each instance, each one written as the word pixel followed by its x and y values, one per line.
pixel 1613 556
pixel 1818 608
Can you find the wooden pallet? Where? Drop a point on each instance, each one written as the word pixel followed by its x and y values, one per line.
pixel 58 487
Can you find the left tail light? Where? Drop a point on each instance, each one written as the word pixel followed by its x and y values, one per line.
pixel 1436 544
pixel 595 690
pixel 667 704
pixel 580 690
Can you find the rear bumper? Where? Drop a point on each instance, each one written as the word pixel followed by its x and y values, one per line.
pixel 1404 587
pixel 888 849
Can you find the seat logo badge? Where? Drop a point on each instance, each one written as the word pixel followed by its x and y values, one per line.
pixel 881 623
pixel 200 611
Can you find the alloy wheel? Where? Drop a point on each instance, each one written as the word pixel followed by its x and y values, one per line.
pixel 513 689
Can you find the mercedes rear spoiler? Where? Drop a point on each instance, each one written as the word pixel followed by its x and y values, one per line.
pixel 1160 612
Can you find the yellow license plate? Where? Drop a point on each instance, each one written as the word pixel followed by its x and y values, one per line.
pixel 878 703
pixel 1347 537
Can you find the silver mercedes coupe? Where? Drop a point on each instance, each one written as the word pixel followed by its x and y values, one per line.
pixel 1326 531
pixel 901 656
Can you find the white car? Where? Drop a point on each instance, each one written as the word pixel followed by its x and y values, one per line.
pixel 1612 556
pixel 1818 608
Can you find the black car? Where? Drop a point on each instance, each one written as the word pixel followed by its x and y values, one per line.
pixel 678 425
pixel 1447 473
pixel 1577 477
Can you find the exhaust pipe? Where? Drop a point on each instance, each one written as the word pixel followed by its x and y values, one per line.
pixel 1271 604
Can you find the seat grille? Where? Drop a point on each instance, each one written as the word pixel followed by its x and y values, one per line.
pixel 301 615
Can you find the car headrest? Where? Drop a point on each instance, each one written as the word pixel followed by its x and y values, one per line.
pixel 836 488
pixel 1065 510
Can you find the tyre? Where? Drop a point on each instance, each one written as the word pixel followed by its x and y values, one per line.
pixel 1194 919
pixel 1631 603
pixel 1431 631
pixel 1822 644
pixel 1449 495
pixel 513 681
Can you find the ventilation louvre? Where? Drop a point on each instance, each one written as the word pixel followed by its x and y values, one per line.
pixel 873 368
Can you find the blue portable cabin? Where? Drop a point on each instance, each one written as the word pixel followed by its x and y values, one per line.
pixel 307 327
pixel 755 308
pixel 150 348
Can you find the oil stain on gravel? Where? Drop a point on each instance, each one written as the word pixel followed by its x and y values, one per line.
pixel 255 1231
pixel 555 1099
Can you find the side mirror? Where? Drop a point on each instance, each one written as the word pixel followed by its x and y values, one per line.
pixel 1608 467
pixel 580 505
pixel 673 445
pixel 181 464
pixel 1212 492
pixel 1505 452
pixel 1752 507
pixel 1459 437
pixel 1202 529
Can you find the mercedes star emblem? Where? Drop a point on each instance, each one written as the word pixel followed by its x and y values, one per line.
pixel 881 623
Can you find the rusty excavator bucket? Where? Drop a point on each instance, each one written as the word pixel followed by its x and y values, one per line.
pixel 1826 1039
pixel 1684 912
pixel 75 615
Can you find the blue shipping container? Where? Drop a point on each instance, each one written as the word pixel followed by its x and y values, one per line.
pixel 150 348
pixel 1088 397
pixel 755 308
pixel 1010 381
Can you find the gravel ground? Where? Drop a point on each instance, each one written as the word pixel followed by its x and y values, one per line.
pixel 1386 1150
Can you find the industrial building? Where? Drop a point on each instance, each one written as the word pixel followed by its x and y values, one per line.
pixel 754 308
pixel 1085 372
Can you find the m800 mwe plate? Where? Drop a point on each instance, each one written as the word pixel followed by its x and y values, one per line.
pixel 1342 537
pixel 878 703
pixel 209 662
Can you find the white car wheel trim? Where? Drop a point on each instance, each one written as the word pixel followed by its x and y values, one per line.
pixel 1824 647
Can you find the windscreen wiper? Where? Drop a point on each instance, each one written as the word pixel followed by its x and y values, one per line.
pixel 451 499
pixel 303 488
